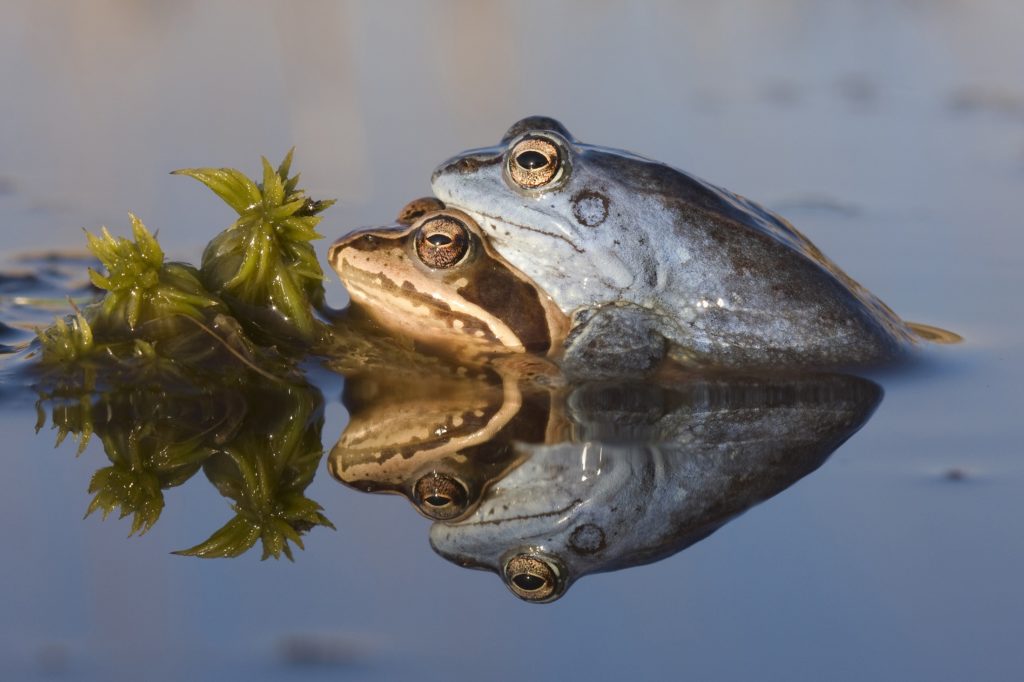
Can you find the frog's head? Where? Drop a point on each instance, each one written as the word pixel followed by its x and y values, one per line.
pixel 438 281
pixel 561 211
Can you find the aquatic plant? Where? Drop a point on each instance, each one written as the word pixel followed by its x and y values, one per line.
pixel 264 265
pixel 254 298
pixel 141 287
pixel 67 340
pixel 148 304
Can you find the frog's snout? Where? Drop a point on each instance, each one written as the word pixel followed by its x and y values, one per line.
pixel 464 164
pixel 365 240
pixel 333 249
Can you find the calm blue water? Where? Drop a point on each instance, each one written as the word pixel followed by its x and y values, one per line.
pixel 890 133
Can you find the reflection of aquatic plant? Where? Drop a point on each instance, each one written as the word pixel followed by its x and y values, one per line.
pixel 260 446
pixel 70 417
pixel 265 471
pixel 264 264
pixel 154 440
pixel 144 464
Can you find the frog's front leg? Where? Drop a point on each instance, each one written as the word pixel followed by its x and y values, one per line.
pixel 614 340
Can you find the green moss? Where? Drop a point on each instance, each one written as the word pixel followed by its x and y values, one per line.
pixel 149 306
pixel 264 265
pixel 141 288
pixel 67 340
pixel 252 305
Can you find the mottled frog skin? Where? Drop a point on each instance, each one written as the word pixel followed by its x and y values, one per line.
pixel 650 260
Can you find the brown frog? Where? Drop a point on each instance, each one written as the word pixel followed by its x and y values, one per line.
pixel 434 278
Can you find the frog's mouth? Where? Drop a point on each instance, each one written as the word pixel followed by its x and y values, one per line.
pixel 408 309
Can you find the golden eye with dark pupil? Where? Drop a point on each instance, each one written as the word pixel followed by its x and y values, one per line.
pixel 442 242
pixel 531 578
pixel 534 162
pixel 440 496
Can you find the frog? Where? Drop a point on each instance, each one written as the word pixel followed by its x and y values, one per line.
pixel 648 470
pixel 650 262
pixel 434 278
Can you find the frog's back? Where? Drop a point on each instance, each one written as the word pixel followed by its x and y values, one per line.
pixel 752 289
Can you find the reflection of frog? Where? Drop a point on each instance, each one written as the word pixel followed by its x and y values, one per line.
pixel 440 440
pixel 642 253
pixel 437 281
pixel 648 471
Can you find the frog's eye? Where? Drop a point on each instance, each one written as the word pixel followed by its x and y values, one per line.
pixel 534 162
pixel 533 577
pixel 442 241
pixel 440 496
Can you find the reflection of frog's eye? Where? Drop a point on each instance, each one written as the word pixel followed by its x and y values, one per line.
pixel 442 242
pixel 533 162
pixel 440 496
pixel 533 578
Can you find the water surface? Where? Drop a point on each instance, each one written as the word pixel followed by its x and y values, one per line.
pixel 892 134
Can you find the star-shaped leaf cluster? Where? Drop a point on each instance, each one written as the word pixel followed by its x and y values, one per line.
pixel 145 462
pixel 140 286
pixel 264 263
pixel 67 340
